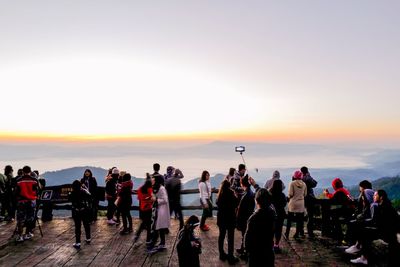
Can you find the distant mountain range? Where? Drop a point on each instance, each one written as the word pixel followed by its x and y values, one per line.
pixel 351 178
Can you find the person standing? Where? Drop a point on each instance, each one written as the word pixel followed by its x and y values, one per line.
pixel 9 191
pixel 260 232
pixel 91 185
pixel 235 180
pixel 161 221
pixel 226 220
pixel 156 174
pixel 173 186
pixel 275 176
pixel 309 200
pixel 244 211
pixel 27 193
pixel 80 199
pixel 279 201
pixel 111 194
pixel 125 203
pixel 145 193
pixel 205 199
pixel 296 195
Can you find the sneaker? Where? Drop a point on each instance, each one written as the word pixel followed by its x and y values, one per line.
pixel 88 241
pixel 28 236
pixel 19 239
pixel 360 260
pixel 205 228
pixel 111 222
pixel 77 245
pixel 352 250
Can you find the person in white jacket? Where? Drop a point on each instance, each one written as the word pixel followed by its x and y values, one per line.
pixel 161 222
pixel 205 199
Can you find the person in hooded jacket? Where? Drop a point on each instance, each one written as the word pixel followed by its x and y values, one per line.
pixel 297 193
pixel 80 199
pixel 260 232
pixel 188 245
pixel 90 183
pixel 275 176
pixel 341 196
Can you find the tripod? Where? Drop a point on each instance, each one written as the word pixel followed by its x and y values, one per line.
pixel 36 220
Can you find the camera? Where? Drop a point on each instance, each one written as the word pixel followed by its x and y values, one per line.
pixel 240 149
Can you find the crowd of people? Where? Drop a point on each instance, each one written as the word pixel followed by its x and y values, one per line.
pixel 258 213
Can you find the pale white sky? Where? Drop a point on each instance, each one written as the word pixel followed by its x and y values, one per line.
pixel 298 69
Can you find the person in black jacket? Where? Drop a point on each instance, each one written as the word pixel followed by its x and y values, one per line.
pixel 226 220
pixel 173 186
pixel 279 202
pixel 91 185
pixel 188 245
pixel 111 194
pixel 309 199
pixel 385 225
pixel 260 232
pixel 125 203
pixel 244 211
pixel 80 199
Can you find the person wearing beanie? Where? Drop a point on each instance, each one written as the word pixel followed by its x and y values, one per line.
pixel 341 196
pixel 275 176
pixel 297 193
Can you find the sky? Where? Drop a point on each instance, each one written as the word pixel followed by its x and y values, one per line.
pixel 273 71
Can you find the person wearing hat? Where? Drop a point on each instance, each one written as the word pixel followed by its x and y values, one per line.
pixel 188 245
pixel 297 193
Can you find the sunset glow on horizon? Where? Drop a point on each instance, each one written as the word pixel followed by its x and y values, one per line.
pixel 273 72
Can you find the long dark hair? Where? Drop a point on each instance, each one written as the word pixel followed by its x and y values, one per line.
pixel 89 171
pixel 224 187
pixel 277 187
pixel 145 187
pixel 76 186
pixel 8 170
pixel 203 177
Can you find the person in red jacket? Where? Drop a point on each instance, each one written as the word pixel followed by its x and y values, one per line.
pixel 26 193
pixel 145 193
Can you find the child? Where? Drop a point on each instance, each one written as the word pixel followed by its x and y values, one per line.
pixel 80 199
pixel 188 246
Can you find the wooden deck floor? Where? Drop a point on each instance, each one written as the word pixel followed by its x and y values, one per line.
pixel 108 248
